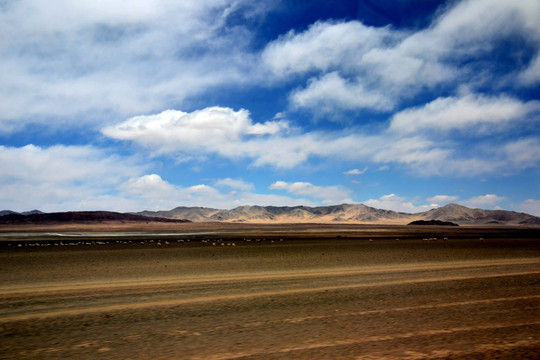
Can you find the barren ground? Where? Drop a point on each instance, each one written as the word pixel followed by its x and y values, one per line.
pixel 269 292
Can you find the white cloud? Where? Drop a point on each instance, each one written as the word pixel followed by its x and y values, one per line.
pixel 323 46
pixel 442 199
pixel 521 153
pixel 103 59
pixel 152 192
pixel 328 194
pixel 531 75
pixel 268 128
pixel 530 206
pixel 213 129
pixel 332 93
pixel 396 203
pixel 230 134
pixel 358 66
pixel 148 185
pixel 483 201
pixel 238 184
pixel 355 171
pixel 60 177
pixel 471 112
pixel 66 178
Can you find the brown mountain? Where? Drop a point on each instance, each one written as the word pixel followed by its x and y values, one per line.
pixel 37 217
pixel 344 213
pixel 347 213
pixel 182 212
pixel 465 216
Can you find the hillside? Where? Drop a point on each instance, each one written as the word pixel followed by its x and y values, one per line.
pixel 37 217
pixel 337 214
pixel 348 213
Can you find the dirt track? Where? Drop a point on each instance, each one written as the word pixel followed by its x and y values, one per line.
pixel 302 299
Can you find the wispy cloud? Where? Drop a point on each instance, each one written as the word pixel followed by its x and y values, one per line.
pixel 442 199
pixel 237 184
pixel 396 203
pixel 455 98
pixel 472 112
pixel 155 193
pixel 62 177
pixel 328 194
pixel 116 60
pixel 530 206
pixel 233 134
pixel 483 201
pixel 332 93
pixel 366 67
pixel 355 171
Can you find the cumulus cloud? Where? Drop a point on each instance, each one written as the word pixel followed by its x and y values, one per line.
pixel 233 135
pixel 328 194
pixel 212 128
pixel 65 178
pixel 63 58
pixel 61 177
pixel 152 192
pixel 396 203
pixel 148 185
pixel 230 134
pixel 358 66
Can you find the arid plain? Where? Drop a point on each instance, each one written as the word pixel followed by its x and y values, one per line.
pixel 233 291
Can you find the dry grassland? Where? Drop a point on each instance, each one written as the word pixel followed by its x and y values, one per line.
pixel 231 291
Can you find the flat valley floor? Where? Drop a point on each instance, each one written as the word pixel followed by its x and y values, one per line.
pixel 270 292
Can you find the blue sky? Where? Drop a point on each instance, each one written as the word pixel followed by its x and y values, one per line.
pixel 401 105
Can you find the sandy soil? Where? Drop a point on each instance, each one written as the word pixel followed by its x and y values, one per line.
pixel 273 293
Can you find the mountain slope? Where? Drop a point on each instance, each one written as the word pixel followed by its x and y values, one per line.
pixel 466 216
pixel 78 217
pixel 347 213
pixel 344 213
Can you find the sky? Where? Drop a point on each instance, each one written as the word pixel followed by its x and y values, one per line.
pixel 154 104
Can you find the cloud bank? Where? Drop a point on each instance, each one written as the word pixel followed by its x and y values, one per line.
pixel 102 59
pixel 363 67
pixel 232 134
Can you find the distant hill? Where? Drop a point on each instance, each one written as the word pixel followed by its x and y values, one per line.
pixel 432 222
pixel 347 213
pixel 465 216
pixel 9 212
pixel 37 217
pixel 344 213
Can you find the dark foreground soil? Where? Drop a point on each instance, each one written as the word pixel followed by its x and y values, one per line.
pixel 312 292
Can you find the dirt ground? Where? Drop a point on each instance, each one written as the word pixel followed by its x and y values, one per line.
pixel 269 292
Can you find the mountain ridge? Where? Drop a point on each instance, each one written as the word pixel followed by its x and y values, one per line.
pixel 347 213
pixel 38 217
pixel 333 214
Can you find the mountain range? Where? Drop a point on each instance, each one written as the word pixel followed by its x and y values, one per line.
pixel 346 213
pixel 76 217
